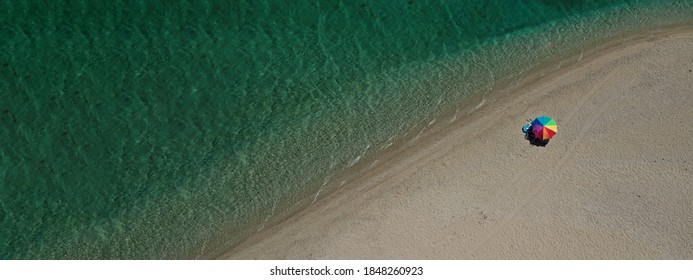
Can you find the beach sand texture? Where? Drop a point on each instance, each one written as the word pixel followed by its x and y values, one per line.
pixel 615 183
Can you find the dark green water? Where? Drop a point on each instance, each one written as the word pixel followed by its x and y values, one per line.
pixel 146 129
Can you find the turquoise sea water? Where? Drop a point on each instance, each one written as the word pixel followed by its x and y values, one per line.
pixel 154 129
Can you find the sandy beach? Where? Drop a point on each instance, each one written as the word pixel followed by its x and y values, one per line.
pixel 615 183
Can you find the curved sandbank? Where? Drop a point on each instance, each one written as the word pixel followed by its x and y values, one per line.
pixel 615 183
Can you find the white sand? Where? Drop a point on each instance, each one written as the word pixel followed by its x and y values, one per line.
pixel 615 183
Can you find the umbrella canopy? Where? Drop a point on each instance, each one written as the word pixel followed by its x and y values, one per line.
pixel 544 128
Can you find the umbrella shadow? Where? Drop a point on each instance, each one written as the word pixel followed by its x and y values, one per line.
pixel 535 141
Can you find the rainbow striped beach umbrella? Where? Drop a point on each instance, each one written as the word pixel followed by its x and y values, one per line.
pixel 544 128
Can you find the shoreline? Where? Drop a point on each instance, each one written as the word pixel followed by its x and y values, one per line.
pixel 403 161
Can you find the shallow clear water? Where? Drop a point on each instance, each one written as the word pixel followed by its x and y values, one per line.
pixel 139 129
